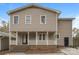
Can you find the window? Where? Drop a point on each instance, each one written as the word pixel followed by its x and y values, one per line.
pixel 43 20
pixel 16 21
pixel 27 19
pixel 42 36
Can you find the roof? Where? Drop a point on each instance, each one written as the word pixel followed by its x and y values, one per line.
pixel 33 5
pixel 66 19
pixel 3 34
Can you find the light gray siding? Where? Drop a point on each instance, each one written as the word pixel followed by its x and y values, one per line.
pixel 32 39
pixel 4 43
pixel 0 43
pixel 35 25
pixel 65 30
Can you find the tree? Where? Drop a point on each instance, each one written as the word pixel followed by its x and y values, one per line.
pixel 76 37
pixel 5 27
pixel 75 32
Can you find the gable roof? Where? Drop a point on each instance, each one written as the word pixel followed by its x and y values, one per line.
pixel 33 5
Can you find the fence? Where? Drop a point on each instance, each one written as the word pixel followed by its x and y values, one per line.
pixel 76 42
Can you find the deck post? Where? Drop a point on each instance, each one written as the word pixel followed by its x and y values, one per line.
pixel 9 38
pixel 28 38
pixel 47 38
pixel 16 38
pixel 36 39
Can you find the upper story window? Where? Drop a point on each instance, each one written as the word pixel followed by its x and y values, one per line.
pixel 28 19
pixel 16 20
pixel 43 19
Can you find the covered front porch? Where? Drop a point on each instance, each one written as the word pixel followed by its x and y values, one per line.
pixel 34 38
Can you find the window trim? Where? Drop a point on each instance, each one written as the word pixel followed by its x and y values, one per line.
pixel 45 19
pixel 13 19
pixel 30 19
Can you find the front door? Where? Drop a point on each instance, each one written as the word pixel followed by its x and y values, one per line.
pixel 24 39
pixel 66 41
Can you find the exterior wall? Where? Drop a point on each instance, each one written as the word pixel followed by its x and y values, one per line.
pixel 65 30
pixel 64 27
pixel 20 38
pixel 0 43
pixel 52 39
pixel 13 42
pixel 32 39
pixel 4 43
pixel 35 15
pixel 42 42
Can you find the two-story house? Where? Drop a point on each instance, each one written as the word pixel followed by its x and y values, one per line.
pixel 36 25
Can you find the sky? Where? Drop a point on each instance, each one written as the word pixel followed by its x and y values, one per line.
pixel 67 10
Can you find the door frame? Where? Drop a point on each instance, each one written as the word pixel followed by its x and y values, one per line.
pixel 66 41
pixel 25 38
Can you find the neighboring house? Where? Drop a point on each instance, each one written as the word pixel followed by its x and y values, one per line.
pixel 39 26
pixel 4 40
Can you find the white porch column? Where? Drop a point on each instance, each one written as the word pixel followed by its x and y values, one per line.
pixel 28 38
pixel 9 38
pixel 16 38
pixel 36 39
pixel 47 38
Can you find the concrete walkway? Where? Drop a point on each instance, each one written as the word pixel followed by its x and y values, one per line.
pixel 35 54
pixel 15 53
pixel 70 51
